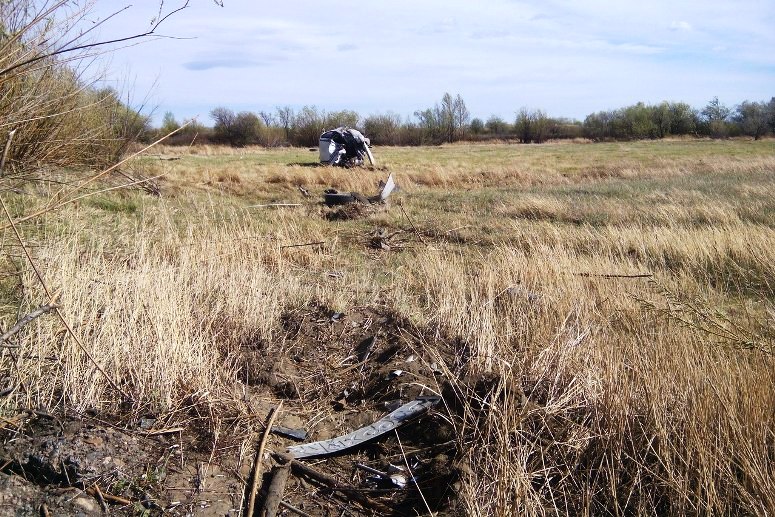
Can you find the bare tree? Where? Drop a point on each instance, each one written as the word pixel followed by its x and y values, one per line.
pixel 285 116
pixel 267 117
pixel 461 116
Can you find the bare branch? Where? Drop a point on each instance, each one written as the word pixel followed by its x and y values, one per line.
pixel 66 49
pixel 43 309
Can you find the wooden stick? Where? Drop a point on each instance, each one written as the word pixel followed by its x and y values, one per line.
pixel 316 243
pixel 416 231
pixel 43 309
pixel 615 275
pixel 276 488
pixel 257 464
pixel 295 510
pixel 305 470
pixel 94 490
pixel 100 498
pixel 274 205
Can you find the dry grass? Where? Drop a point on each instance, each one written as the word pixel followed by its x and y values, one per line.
pixel 603 395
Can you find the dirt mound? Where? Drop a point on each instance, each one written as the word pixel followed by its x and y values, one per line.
pixel 340 372
pixel 335 373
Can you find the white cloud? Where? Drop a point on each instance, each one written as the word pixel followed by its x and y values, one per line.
pixel 680 26
pixel 567 57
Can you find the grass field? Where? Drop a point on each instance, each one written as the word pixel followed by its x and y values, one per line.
pixel 618 300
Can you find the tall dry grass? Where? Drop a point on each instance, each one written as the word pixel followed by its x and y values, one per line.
pixel 587 394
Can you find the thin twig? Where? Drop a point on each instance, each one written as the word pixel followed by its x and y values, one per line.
pixel 5 151
pixel 35 59
pixel 100 498
pixel 94 490
pixel 274 205
pixel 257 464
pixel 411 476
pixel 294 509
pixel 25 320
pixel 416 231
pixel 91 180
pixel 316 243
pixel 615 275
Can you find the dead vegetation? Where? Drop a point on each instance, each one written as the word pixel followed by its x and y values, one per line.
pixel 602 345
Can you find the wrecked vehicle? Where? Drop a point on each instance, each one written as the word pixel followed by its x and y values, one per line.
pixel 345 147
pixel 333 197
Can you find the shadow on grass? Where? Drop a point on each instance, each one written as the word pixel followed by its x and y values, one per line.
pixel 305 164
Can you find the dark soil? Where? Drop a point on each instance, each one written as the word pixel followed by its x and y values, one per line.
pixel 340 372
pixel 334 372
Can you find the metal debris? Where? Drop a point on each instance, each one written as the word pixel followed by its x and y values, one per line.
pixel 345 147
pixel 395 474
pixel 394 420
pixel 394 374
pixel 388 188
pixel 288 432
pixel 332 197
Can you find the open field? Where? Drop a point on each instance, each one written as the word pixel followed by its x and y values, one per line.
pixel 600 318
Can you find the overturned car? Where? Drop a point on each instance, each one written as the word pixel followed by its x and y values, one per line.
pixel 344 146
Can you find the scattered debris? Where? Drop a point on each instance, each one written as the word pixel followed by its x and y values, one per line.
pixel 387 188
pixel 332 197
pixel 395 474
pixel 394 374
pixel 288 432
pixel 345 147
pixel 397 418
pixel 339 377
pixel 332 483
pixel 380 239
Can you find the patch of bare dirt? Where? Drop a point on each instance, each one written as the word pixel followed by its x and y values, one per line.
pixel 334 372
pixel 338 372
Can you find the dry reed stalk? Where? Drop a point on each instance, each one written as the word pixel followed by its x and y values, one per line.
pixel 56 308
pixel 259 460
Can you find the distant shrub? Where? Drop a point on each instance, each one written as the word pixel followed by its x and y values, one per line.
pixel 59 119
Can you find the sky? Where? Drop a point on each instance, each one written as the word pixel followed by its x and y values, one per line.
pixel 568 58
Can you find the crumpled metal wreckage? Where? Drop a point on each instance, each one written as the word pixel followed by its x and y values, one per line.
pixel 394 420
pixel 345 147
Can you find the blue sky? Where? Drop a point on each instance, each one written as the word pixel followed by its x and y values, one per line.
pixel 567 58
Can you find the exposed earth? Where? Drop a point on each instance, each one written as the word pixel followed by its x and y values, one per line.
pixel 334 372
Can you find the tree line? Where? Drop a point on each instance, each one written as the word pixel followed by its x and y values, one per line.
pixel 449 120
